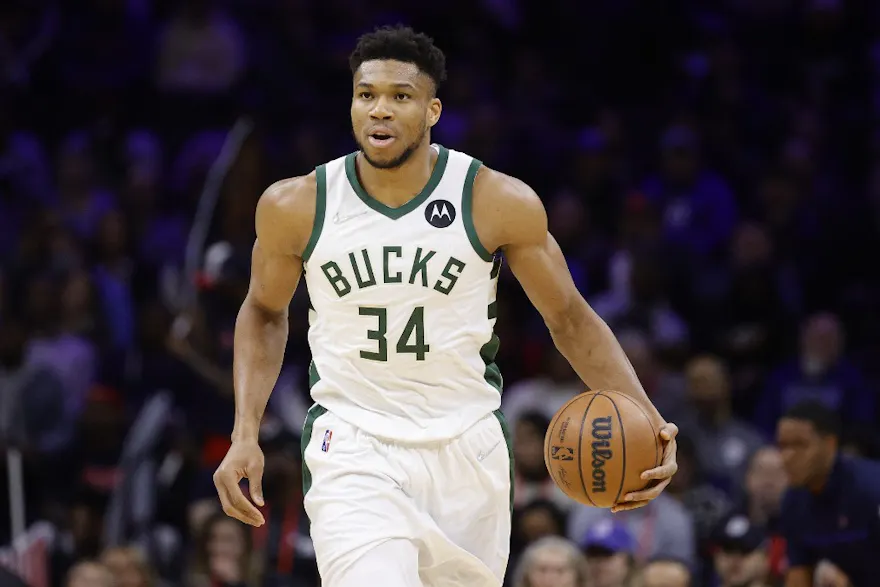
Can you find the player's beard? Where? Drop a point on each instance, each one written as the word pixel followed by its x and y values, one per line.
pixel 400 159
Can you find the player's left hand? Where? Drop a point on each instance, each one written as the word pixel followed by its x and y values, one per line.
pixel 662 474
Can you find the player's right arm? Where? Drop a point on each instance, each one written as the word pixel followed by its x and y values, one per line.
pixel 284 220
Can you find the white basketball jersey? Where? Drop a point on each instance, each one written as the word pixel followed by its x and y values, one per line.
pixel 403 305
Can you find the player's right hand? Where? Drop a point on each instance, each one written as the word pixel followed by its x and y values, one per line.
pixel 243 461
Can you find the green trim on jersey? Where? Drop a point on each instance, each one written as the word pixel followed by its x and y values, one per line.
pixel 320 210
pixel 314 376
pixel 492 373
pixel 467 212
pixel 395 213
pixel 508 439
pixel 315 412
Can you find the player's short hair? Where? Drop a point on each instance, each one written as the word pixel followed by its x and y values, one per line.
pixel 401 43
pixel 825 420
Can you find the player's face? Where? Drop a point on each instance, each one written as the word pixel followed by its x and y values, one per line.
pixel 391 111
pixel 803 450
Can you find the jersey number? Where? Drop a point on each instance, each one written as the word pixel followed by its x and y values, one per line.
pixel 413 331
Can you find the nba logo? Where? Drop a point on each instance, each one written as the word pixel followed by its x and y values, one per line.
pixel 325 446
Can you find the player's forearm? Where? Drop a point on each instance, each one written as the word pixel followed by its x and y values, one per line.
pixel 596 356
pixel 260 339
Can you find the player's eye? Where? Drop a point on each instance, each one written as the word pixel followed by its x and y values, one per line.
pixel 365 95
pixel 401 96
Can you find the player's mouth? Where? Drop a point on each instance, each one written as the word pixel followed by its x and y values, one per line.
pixel 381 138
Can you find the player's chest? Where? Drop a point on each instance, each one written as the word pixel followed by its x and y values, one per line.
pixel 347 268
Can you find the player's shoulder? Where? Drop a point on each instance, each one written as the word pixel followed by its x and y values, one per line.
pixel 286 213
pixel 287 195
pixel 493 185
pixel 507 208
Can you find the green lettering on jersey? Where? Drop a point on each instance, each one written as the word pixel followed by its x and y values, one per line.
pixel 420 265
pixel 386 254
pixel 448 274
pixel 337 280
pixel 371 279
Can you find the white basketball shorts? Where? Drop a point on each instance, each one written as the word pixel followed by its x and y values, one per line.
pixel 434 515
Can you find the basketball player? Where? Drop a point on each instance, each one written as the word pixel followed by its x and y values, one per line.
pixel 406 458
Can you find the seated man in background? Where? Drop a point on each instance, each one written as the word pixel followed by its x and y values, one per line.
pixel 832 509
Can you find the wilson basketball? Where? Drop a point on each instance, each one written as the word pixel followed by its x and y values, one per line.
pixel 598 445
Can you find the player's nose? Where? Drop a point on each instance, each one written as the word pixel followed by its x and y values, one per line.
pixel 381 111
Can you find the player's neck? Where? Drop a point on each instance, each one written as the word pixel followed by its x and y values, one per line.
pixel 395 187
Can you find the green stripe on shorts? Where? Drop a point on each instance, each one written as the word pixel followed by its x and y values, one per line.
pixel 315 412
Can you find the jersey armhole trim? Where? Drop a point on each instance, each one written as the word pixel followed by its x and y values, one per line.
pixel 467 214
pixel 320 211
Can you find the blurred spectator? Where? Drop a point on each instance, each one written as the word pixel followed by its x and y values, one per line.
pixel 129 567
pixel 551 562
pixel 746 311
pixel 57 342
pixel 530 523
pixel 830 510
pixel 224 555
pixel 663 528
pixel 31 397
pixel 25 179
pixel 80 535
pixel 665 387
pixel 821 372
pixel 765 485
pixel 543 394
pixel 699 210
pixel 643 305
pixel 724 443
pixel 740 558
pixel 113 277
pixel 665 573
pixel 201 50
pixel 608 547
pixel 83 200
pixel 90 574
pixel 704 503
pixel 531 478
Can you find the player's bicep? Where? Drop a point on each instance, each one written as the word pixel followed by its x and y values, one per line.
pixel 543 274
pixel 515 217
pixel 284 222
pixel 274 277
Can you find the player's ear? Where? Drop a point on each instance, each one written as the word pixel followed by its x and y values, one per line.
pixel 435 107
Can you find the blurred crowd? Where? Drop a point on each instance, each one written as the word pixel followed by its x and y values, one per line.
pixel 711 170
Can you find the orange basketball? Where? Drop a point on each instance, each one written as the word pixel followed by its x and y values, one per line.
pixel 598 445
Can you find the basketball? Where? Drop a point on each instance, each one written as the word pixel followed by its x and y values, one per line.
pixel 598 445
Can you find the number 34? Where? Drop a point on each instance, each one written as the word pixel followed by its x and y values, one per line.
pixel 415 328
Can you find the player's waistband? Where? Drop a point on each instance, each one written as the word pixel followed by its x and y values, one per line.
pixel 378 427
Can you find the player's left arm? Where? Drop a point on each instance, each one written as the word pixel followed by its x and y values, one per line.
pixel 509 215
